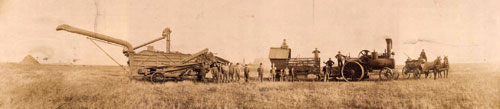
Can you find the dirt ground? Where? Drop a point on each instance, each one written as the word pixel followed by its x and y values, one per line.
pixel 66 86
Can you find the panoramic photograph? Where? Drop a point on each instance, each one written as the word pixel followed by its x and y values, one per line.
pixel 250 54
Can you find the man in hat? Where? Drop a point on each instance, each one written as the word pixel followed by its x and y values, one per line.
pixel 273 72
pixel 329 63
pixel 328 68
pixel 260 70
pixel 423 56
pixel 246 72
pixel 340 59
pixel 237 70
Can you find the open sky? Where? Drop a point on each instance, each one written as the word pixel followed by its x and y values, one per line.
pixel 467 31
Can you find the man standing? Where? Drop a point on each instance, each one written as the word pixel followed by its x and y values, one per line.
pixel 261 72
pixel 215 72
pixel 281 74
pixel 329 63
pixel 423 56
pixel 231 72
pixel 237 70
pixel 284 45
pixel 285 76
pixel 340 59
pixel 325 74
pixel 328 69
pixel 273 72
pixel 203 72
pixel 246 72
pixel 225 71
pixel 220 75
pixel 292 74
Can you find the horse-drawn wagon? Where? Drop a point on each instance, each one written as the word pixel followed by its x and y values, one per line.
pixel 417 67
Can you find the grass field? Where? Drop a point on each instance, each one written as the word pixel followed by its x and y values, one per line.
pixel 60 86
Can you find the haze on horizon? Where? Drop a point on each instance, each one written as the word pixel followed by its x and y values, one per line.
pixel 466 31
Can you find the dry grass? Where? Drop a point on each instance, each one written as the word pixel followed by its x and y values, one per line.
pixel 56 86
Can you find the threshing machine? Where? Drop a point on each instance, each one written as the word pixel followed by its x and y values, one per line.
pixel 153 64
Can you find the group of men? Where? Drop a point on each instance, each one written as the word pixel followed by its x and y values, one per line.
pixel 340 59
pixel 223 73
pixel 230 72
pixel 286 74
pixel 327 70
pixel 276 75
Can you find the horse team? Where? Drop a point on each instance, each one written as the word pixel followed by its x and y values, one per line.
pixel 421 66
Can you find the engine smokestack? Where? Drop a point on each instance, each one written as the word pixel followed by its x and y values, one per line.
pixel 389 47
pixel 166 34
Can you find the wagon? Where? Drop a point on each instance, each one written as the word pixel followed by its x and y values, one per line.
pixel 280 57
pixel 412 68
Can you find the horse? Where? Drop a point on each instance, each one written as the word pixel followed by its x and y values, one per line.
pixel 434 66
pixel 445 66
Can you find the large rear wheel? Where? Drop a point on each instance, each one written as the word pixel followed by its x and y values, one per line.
pixel 352 71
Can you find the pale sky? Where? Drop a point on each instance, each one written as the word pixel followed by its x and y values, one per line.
pixel 465 30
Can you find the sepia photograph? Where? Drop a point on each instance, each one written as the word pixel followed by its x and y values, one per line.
pixel 249 54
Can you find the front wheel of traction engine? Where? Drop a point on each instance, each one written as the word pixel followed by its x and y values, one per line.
pixel 352 71
pixel 157 77
pixel 387 74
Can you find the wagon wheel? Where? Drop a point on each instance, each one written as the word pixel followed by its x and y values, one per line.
pixel 406 73
pixel 364 56
pixel 352 71
pixel 157 77
pixel 386 74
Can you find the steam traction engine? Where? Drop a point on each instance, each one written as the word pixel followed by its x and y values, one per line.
pixel 356 69
pixel 152 64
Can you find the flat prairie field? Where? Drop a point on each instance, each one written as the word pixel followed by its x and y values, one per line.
pixel 79 86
